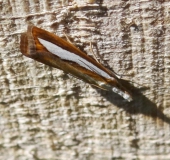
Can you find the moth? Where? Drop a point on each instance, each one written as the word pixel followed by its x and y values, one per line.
pixel 52 50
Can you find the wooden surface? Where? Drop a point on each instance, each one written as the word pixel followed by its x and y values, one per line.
pixel 46 114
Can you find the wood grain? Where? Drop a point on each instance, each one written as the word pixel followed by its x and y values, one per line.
pixel 46 117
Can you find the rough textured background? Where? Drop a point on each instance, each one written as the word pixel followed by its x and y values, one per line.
pixel 46 114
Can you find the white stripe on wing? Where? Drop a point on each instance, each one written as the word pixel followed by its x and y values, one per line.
pixel 66 55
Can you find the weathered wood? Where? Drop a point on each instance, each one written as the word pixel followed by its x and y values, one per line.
pixel 46 114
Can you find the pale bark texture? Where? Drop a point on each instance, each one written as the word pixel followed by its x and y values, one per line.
pixel 47 114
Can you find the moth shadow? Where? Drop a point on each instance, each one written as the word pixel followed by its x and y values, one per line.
pixel 139 105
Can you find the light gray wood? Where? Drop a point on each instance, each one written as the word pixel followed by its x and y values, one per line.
pixel 46 114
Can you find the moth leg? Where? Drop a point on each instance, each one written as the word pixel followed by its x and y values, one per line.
pixel 98 87
pixel 94 56
pixel 67 38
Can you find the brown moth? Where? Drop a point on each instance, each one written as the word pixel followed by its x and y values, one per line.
pixel 52 50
